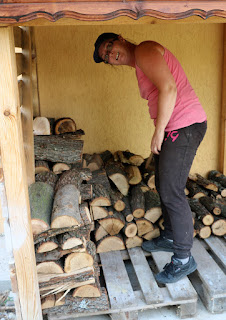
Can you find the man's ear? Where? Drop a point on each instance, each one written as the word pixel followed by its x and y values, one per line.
pixel 121 38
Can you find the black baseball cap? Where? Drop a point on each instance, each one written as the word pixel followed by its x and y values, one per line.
pixel 103 37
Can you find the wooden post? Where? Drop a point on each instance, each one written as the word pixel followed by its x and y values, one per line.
pixel 16 187
pixel 223 111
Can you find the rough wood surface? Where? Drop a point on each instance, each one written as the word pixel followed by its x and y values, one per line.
pixel 48 302
pixel 130 229
pixel 219 226
pixel 149 179
pixel 86 191
pixel 93 162
pixel 77 260
pixel 152 234
pixel 153 209
pixel 41 166
pixel 57 148
pixel 70 240
pixel 116 173
pixel 133 242
pixel 137 202
pixel 100 232
pixel 128 215
pixel 99 212
pixel 87 291
pixel 133 174
pixel 60 167
pixel 85 215
pixel 101 196
pixel 207 184
pixel 46 245
pixel 48 177
pixel 210 204
pixel 195 191
pixel 132 158
pixel 202 230
pixel 217 176
pixel 64 125
pixel 50 267
pixel 56 254
pixel 110 243
pixel 113 224
pixel 73 176
pixel 143 226
pixel 201 212
pixel 117 200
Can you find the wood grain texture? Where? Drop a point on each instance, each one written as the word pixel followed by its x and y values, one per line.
pixel 12 13
pixel 13 159
pixel 223 112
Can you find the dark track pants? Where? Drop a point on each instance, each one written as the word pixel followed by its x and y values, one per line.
pixel 172 167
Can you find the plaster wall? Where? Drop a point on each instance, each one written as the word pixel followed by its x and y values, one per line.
pixel 104 101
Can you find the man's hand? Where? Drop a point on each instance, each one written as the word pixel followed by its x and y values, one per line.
pixel 156 141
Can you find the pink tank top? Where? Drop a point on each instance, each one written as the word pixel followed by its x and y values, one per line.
pixel 187 110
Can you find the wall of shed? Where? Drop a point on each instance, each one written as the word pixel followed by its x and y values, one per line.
pixel 104 101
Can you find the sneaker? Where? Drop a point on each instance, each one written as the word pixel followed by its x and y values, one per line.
pixel 158 244
pixel 175 270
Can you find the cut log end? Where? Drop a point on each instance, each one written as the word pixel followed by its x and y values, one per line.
pixel 38 226
pixel 63 222
pixel 87 291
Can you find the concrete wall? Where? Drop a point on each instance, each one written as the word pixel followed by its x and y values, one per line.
pixel 104 101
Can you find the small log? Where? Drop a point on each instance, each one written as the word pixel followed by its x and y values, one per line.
pixel 64 125
pixel 86 191
pixel 149 179
pixel 113 224
pixel 100 232
pixel 41 126
pixel 153 209
pixel 101 196
pixel 41 202
pixel 66 211
pixel 218 177
pixel 77 260
pixel 201 181
pixel 144 187
pixel 211 205
pixel 46 245
pixel 204 232
pixel 130 229
pixel 110 243
pixel 85 215
pixel 50 267
pixel 219 226
pixel 93 162
pixel 148 165
pixel 221 203
pixel 106 156
pixel 73 176
pixel 41 166
pixel 137 202
pixel 48 302
pixel 127 211
pixel 195 191
pixel 100 177
pixel 117 175
pixel 201 212
pixel 152 234
pixel 221 189
pixel 71 239
pixel 133 242
pixel 117 200
pixel 56 254
pixel 47 177
pixel 60 167
pixel 133 174
pixel 132 158
pixel 143 226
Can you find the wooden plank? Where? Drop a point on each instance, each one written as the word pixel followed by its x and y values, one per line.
pixel 182 289
pixel 218 248
pixel 19 63
pixel 118 284
pixel 27 107
pixel 223 111
pixel 145 276
pixel 16 187
pixel 17 31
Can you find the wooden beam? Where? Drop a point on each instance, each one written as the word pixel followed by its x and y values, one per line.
pixel 16 187
pixel 18 37
pixel 223 111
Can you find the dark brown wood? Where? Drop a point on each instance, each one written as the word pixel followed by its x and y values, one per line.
pixel 64 125
pixel 92 162
pixel 73 176
pixel 137 202
pixel 48 177
pixel 218 177
pixel 202 230
pixel 195 191
pixel 201 212
pixel 128 215
pixel 207 184
pixel 117 200
pixel 106 156
pixel 211 205
pixel 153 209
pixel 41 166
pixel 101 196
pixel 149 179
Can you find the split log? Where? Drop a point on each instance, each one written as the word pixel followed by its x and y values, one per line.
pixel 133 242
pixel 219 226
pixel 117 200
pixel 64 125
pixel 113 224
pixel 149 179
pixel 66 211
pixel 101 196
pixel 218 177
pixel 130 229
pixel 73 176
pixel 148 165
pixel 201 181
pixel 77 260
pixel 100 232
pixel 99 212
pixel 93 162
pixel 152 234
pixel 211 205
pixel 46 245
pixel 86 191
pixel 201 212
pixel 110 243
pixel 153 209
pixel 137 202
pixel 58 148
pixel 41 166
pixel 60 167
pixel 100 177
pixel 71 239
pixel 143 226
pixel 41 126
pixel 85 215
pixel 41 202
pixel 221 189
pixel 203 231
pixel 48 302
pixel 221 203
pixel 50 267
pixel 133 173
pixel 117 175
pixel 127 211
pixel 87 291
pixel 56 254
pixel 195 191
pixel 47 177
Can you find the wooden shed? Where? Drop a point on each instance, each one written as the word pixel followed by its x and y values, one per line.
pixel 62 75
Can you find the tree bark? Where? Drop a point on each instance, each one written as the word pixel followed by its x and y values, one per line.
pixel 195 191
pixel 201 212
pixel 41 166
pixel 101 196
pixel 202 230
pixel 211 205
pixel 47 177
pixel 73 176
pixel 153 209
pixel 133 174
pixel 117 175
pixel 201 181
pixel 137 202
pixel 64 125
pixel 218 177
pixel 127 211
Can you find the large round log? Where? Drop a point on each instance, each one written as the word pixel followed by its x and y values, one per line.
pixel 202 230
pixel 76 261
pixel 130 229
pixel 219 226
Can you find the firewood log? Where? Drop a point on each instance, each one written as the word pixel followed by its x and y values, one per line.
pixel 92 162
pixel 137 202
pixel 144 187
pixel 41 166
pixel 71 239
pixel 149 179
pixel 148 165
pixel 78 260
pixel 117 175
pixel 57 148
pixel 152 234
pixel 201 212
pixel 41 126
pixel 73 176
pixel 195 191
pixel 130 229
pixel 85 215
pixel 110 243
pixel 202 230
pixel 128 215
pixel 221 189
pixel 219 226
pixel 41 202
pixel 99 212
pixel 113 224
pixel 86 191
pixel 117 200
pixel 100 177
pixel 56 254
pixel 66 211
pixel 221 203
pixel 87 291
pixel 133 174
pixel 101 196
pixel 48 302
pixel 132 158
pixel 60 167
pixel 153 209
pixel 201 181
pixel 100 232
pixel 143 226
pixel 106 156
pixel 133 242
pixel 64 125
pixel 48 244
pixel 211 205
pixel 218 177
pixel 47 177
pixel 50 267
